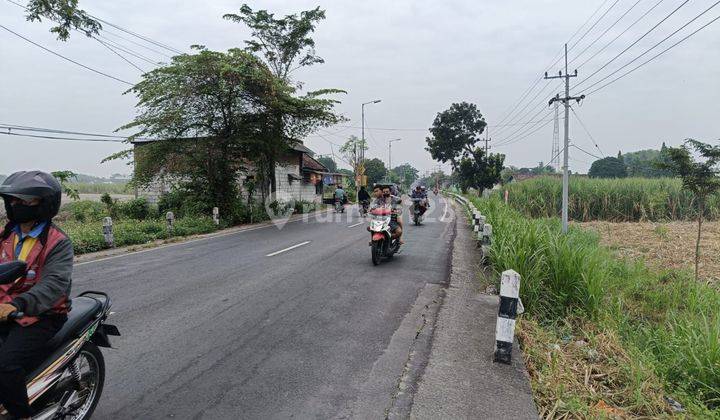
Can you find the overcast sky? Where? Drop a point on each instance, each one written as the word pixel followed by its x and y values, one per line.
pixel 417 56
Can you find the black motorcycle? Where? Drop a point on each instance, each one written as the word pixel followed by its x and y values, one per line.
pixel 69 382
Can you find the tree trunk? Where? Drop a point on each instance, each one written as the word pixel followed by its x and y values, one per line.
pixel 697 243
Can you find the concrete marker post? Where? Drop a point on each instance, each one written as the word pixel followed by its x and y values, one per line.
pixel 486 242
pixel 170 217
pixel 108 232
pixel 507 314
pixel 216 216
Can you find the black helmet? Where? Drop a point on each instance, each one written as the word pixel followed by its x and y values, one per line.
pixel 27 185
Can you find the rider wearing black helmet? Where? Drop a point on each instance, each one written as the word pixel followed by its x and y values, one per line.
pixel 32 199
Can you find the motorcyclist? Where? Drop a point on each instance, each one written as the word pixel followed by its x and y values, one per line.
pixel 363 197
pixel 340 194
pixel 31 199
pixel 421 195
pixel 386 200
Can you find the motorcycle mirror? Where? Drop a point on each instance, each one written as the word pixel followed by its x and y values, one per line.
pixel 11 271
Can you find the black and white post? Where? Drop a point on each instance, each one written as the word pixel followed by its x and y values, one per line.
pixel 510 307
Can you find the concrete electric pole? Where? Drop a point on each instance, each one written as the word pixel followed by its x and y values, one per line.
pixel 390 142
pixel 566 100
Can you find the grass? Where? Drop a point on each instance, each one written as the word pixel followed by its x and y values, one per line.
pixel 646 335
pixel 114 188
pixel 88 236
pixel 669 245
pixel 617 200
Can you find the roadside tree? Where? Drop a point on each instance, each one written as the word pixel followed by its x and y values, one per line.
pixel 701 177
pixel 609 167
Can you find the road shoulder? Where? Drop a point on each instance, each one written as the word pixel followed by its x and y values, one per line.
pixel 461 380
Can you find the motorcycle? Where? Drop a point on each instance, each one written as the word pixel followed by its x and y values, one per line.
pixel 419 208
pixel 364 206
pixel 339 206
pixel 69 382
pixel 382 244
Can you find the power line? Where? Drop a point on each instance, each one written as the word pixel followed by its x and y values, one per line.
pixel 66 58
pixel 554 61
pixel 517 139
pixel 55 131
pixel 61 138
pixel 633 44
pixel 585 151
pixel 605 31
pixel 119 55
pixel 655 56
pixel 621 33
pixel 582 124
pixel 653 47
pixel 96 36
pixel 144 38
pixel 523 115
pixel 594 25
pixel 105 31
pixel 128 50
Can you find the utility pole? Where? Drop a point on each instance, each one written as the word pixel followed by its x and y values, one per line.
pixel 487 140
pixel 555 155
pixel 566 100
pixel 390 142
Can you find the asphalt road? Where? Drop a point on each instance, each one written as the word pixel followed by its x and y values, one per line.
pixel 240 326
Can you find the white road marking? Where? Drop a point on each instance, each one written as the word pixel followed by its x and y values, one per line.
pixel 287 249
pixel 165 246
pixel 356 224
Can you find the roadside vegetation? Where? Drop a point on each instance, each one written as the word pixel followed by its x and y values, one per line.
pixel 92 188
pixel 139 222
pixel 616 200
pixel 605 336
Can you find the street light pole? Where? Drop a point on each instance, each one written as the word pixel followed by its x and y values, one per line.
pixel 361 157
pixel 390 142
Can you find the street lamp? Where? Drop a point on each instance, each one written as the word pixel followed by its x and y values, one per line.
pixel 390 142
pixel 361 157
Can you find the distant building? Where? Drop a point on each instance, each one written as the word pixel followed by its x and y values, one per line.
pixel 297 176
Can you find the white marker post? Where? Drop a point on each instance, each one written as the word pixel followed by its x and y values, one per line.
pixel 216 216
pixel 505 328
pixel 108 232
pixel 170 217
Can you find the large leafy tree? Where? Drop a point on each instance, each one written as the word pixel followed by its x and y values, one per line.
pixel 66 14
pixel 480 171
pixel 375 170
pixel 454 135
pixel 405 173
pixel 644 163
pixel 609 167
pixel 217 113
pixel 455 132
pixel 701 177
pixel 285 43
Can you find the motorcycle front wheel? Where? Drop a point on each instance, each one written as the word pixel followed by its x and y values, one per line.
pixel 376 250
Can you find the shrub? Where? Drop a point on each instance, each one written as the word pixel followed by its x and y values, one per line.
pixel 85 210
pixel 138 209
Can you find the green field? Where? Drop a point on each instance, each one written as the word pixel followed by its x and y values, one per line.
pixel 617 200
pixel 643 335
pixel 110 188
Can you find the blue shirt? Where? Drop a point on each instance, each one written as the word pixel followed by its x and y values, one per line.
pixel 34 233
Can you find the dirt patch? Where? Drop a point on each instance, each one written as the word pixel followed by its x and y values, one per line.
pixel 668 245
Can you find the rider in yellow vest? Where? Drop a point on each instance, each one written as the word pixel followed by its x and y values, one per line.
pixel 31 199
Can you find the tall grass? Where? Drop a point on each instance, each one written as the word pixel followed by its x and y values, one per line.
pixel 668 321
pixel 618 200
pixel 87 188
